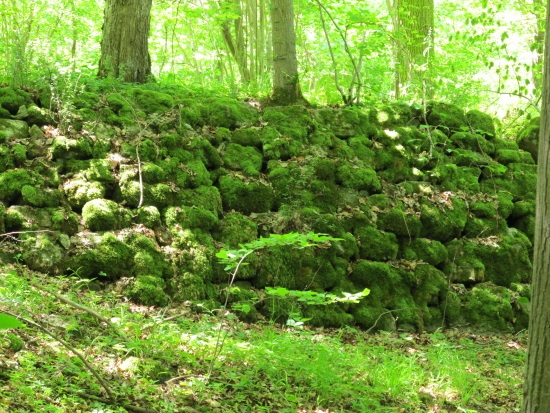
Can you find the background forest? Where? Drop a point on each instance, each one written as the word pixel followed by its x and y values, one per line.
pixel 481 54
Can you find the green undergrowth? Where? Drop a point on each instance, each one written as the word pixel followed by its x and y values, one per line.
pixel 158 360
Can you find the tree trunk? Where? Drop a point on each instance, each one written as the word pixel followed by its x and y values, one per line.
pixel 124 47
pixel 537 382
pixel 414 33
pixel 286 85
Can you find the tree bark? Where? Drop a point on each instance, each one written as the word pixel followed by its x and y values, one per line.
pixel 286 85
pixel 124 47
pixel 537 382
pixel 414 33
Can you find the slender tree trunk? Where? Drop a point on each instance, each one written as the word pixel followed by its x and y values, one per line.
pixel 537 383
pixel 286 85
pixel 414 34
pixel 124 47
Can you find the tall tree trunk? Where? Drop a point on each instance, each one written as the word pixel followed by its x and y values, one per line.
pixel 537 382
pixel 124 47
pixel 414 33
pixel 286 85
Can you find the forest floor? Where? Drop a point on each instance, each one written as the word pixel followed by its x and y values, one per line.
pixel 114 356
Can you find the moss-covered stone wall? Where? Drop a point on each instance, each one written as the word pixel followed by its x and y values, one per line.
pixel 141 186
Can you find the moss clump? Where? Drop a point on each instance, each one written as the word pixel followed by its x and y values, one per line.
pixel 104 215
pixel 358 177
pixel 477 227
pixel 13 180
pixel 447 116
pixel 149 216
pixel 293 122
pixel 327 316
pixel 6 159
pixel 148 290
pixel 430 287
pixel 506 156
pixel 466 157
pixel 344 123
pixel 152 173
pixel 67 148
pixel 517 178
pixel 148 259
pixel 489 307
pixel 190 217
pixel 19 154
pixel 457 178
pixel 92 170
pixel 159 195
pixel 245 196
pixel 399 222
pixel 205 152
pixel 244 158
pixel 443 223
pixel 40 197
pixel 11 99
pixel 42 254
pixel 249 136
pixel 235 229
pixel 379 277
pixel 464 267
pixel 151 101
pixel 523 208
pixel 78 191
pixel 278 146
pixel 291 183
pixel 528 138
pixel 481 123
pixel 110 258
pixel 64 221
pixel 217 112
pixel 372 317
pixel 376 245
pixel 86 100
pixel 423 249
pixel 472 142
pixel 507 260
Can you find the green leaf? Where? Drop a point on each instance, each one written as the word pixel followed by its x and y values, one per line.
pixel 7 321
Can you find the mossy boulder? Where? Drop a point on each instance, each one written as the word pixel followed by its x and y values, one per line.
pixel 79 191
pixel 517 178
pixel 190 217
pixel 11 100
pixel 481 123
pixel 294 122
pixel 472 142
pixel 104 215
pixel 373 318
pixel 489 307
pixel 69 148
pixel 217 112
pixel 148 290
pixel 464 266
pixel 359 177
pixel 104 257
pixel 344 123
pixel 445 220
pixel 13 180
pixel 245 158
pixel 245 196
pixel 423 249
pixel 206 197
pixel 447 117
pixel 399 221
pixel 43 254
pixel 151 101
pixel 506 258
pixel 376 245
pixel 149 216
pixel 235 229
pixel 379 277
pixel 528 137
pixel 64 220
pixel 13 129
pixel 248 136
pixel 40 197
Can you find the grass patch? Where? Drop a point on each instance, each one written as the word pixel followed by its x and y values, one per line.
pixel 157 360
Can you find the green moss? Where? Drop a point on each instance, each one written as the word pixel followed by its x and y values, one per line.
pixel 245 196
pixel 244 158
pixel 294 122
pixel 6 159
pixel 68 148
pixel 522 208
pixel 104 215
pixel 464 266
pixel 481 123
pixel 431 285
pixel 217 112
pixel 235 229
pixel 206 152
pixel 40 197
pixel 345 122
pixel 110 258
pixel 205 197
pixel 151 101
pixel 19 154
pixel 372 317
pixel 327 316
pixel 358 177
pixel 466 157
pixel 528 137
pixel 41 253
pixel 457 178
pixel 519 179
pixel 11 99
pixel 190 217
pixel 399 222
pixel 64 221
pixel 447 116
pixel 149 216
pixel 379 277
pixel 507 144
pixel 489 307
pixel 507 259
pixel 376 245
pixel 250 136
pixel 86 100
pixel 506 156
pixel 347 247
pixel 484 227
pixel 473 142
pixel 423 249
pixel 443 223
pixel 79 191
pixel 12 181
pixel 152 173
